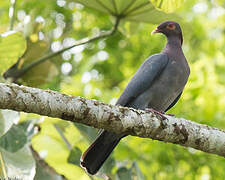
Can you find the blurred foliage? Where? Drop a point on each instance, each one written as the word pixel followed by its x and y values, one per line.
pixel 12 47
pixel 101 70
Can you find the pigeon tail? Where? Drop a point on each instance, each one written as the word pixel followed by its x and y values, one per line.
pixel 94 157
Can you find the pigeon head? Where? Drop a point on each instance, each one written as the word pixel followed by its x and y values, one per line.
pixel 170 29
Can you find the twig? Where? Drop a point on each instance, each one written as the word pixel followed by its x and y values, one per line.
pixel 46 167
pixel 63 137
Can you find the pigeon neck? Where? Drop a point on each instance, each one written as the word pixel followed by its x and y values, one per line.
pixel 173 44
pixel 174 40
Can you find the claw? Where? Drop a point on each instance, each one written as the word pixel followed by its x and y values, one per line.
pixel 161 114
pixel 171 115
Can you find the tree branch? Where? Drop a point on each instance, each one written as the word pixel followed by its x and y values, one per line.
pixel 112 118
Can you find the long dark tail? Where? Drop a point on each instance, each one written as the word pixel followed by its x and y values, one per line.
pixel 94 157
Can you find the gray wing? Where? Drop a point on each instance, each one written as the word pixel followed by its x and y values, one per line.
pixel 174 102
pixel 143 78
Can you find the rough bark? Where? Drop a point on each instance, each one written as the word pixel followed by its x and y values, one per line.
pixel 113 118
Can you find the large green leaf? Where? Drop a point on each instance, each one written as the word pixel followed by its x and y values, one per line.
pixel 167 6
pixel 12 47
pixel 14 139
pixel 20 165
pixel 7 119
pixel 132 10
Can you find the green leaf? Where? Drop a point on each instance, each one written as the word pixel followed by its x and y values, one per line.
pixel 123 174
pixel 7 119
pixel 138 11
pixel 12 47
pixel 74 156
pixel 167 6
pixel 14 139
pixel 20 164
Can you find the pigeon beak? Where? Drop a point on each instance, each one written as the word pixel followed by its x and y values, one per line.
pixel 155 31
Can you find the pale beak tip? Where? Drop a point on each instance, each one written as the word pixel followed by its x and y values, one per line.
pixel 155 31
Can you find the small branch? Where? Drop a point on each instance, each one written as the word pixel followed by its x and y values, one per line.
pixel 12 12
pixel 63 137
pixel 46 167
pixel 20 72
pixel 113 118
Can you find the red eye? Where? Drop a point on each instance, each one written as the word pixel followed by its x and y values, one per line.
pixel 171 26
